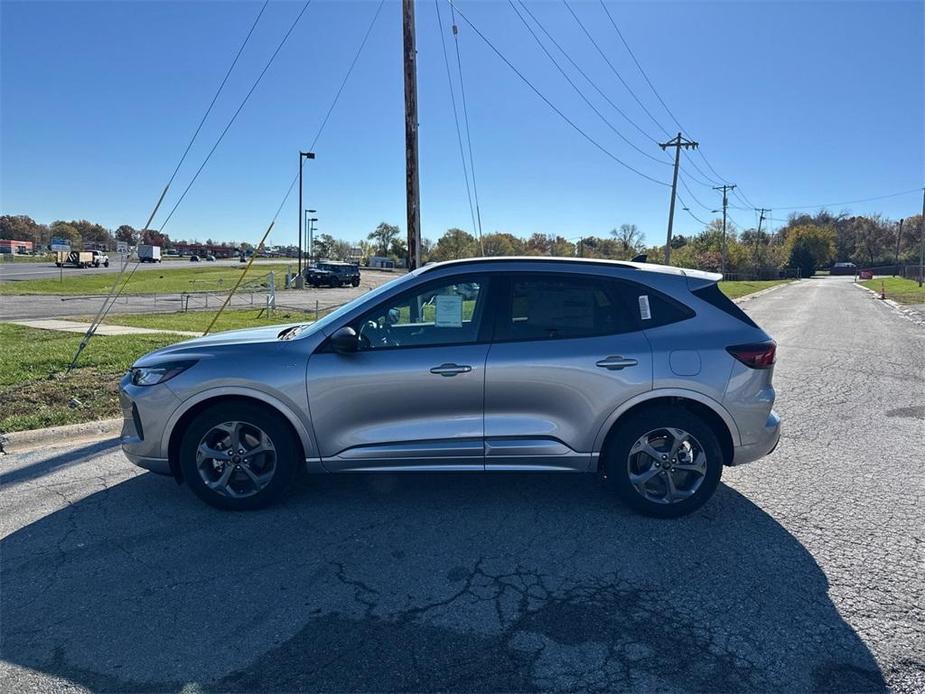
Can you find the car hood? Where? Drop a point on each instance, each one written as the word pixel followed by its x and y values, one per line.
pixel 200 347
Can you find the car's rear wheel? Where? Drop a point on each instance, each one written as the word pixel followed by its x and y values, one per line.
pixel 238 456
pixel 664 462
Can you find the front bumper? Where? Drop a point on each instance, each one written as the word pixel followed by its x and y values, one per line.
pixel 145 410
pixel 765 445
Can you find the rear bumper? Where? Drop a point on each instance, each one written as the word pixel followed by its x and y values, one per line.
pixel 766 443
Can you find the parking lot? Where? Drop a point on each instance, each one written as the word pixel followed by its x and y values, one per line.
pixel 805 572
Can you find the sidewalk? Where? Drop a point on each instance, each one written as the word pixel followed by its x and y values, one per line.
pixel 69 326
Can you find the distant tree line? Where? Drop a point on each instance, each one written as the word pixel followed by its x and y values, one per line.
pixel 805 241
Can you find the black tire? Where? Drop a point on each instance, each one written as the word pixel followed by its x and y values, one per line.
pixel 106 264
pixel 635 426
pixel 57 264
pixel 287 458
pixel 356 283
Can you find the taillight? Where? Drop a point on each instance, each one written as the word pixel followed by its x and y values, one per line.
pixel 756 356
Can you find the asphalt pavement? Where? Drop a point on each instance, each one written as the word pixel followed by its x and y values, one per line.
pixel 11 271
pixel 804 573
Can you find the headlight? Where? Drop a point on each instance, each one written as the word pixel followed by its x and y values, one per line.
pixel 152 375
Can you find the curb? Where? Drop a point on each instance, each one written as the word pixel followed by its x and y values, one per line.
pixel 913 316
pixel 755 295
pixel 21 441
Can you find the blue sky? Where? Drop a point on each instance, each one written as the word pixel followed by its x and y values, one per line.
pixel 796 102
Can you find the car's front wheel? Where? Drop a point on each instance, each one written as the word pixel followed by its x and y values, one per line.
pixel 664 462
pixel 238 456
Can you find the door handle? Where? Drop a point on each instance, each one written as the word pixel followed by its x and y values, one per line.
pixel 615 363
pixel 450 369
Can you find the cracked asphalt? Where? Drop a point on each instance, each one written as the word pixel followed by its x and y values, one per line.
pixel 804 573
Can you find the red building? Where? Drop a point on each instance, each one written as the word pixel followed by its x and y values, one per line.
pixel 204 249
pixel 8 246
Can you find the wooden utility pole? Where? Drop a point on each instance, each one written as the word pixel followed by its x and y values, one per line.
pixel 676 142
pixel 722 261
pixel 922 250
pixel 412 189
pixel 899 240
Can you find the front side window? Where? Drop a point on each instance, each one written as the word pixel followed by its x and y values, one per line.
pixel 441 313
pixel 544 308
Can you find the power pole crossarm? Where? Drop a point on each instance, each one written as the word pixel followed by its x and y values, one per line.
pixel 678 142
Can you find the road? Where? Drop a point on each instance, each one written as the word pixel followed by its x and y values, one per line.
pixel 12 271
pixel 299 300
pixel 805 572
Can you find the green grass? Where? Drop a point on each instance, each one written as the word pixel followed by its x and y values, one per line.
pixel 899 289
pixel 734 290
pixel 34 393
pixel 20 258
pixel 173 280
pixel 199 320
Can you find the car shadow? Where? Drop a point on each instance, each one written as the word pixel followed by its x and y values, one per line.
pixel 421 582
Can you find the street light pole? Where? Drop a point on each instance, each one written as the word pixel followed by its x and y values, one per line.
pixel 302 156
pixel 311 236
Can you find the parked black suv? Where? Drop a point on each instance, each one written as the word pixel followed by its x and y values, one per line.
pixel 332 273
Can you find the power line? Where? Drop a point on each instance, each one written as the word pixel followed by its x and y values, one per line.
pixel 536 91
pixel 848 202
pixel 115 290
pixel 588 79
pixel 612 68
pixel 234 117
pixel 465 106
pixel 577 90
pixel 334 102
pixel 449 80
pixel 218 91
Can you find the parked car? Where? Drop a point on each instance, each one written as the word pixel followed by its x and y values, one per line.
pixel 194 258
pixel 646 374
pixel 332 273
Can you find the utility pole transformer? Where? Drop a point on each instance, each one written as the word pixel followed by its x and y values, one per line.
pixel 412 189
pixel 677 142
pixel 722 261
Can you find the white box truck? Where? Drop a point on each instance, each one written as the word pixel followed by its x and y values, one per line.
pixel 149 254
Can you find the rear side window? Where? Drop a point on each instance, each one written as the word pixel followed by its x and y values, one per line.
pixel 548 308
pixel 713 296
pixel 654 309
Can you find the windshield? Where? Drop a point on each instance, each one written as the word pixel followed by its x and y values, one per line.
pixel 333 316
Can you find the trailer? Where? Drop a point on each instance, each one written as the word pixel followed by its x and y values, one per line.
pixel 81 259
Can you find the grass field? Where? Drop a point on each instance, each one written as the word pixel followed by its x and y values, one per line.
pixel 734 290
pixel 899 289
pixel 173 280
pixel 34 393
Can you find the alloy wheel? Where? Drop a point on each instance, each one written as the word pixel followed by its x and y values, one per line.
pixel 666 465
pixel 236 459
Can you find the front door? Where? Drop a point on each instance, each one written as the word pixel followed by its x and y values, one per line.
pixel 412 396
pixel 567 352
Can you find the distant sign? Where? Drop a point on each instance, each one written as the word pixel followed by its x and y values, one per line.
pixel 58 244
pixel 122 247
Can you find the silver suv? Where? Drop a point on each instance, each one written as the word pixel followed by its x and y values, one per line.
pixel 646 374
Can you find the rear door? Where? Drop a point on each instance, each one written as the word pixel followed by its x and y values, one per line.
pixel 567 352
pixel 412 397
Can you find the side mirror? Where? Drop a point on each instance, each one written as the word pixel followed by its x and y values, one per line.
pixel 345 341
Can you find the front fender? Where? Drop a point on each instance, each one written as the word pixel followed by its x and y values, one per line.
pixel 288 410
pixel 715 406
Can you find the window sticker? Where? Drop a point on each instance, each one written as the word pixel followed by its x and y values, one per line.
pixel 448 311
pixel 644 311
